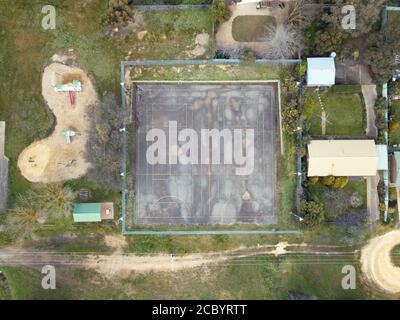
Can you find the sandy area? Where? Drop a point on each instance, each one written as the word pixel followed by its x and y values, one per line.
pixel 53 159
pixel 376 262
pixel 224 38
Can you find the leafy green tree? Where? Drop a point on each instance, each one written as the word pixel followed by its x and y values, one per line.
pixel 327 41
pixel 219 11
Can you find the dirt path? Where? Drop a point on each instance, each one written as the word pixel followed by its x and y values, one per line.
pixel 111 265
pixel 376 262
pixel 53 159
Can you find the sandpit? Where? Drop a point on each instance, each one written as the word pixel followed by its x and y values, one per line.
pixel 53 159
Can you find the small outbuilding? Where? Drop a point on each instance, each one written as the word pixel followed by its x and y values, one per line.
pixel 321 72
pixel 93 212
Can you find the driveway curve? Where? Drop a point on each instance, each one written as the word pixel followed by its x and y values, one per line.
pixel 376 262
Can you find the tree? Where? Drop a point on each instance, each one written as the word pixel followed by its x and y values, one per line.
pixel 367 14
pixel 312 212
pixel 219 11
pixel 119 12
pixel 327 41
pixel 104 145
pixel 282 42
pixel 382 49
pixel 55 199
pixel 295 12
pixel 23 218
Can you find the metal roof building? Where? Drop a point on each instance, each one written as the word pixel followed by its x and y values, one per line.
pixel 93 212
pixel 350 158
pixel 321 72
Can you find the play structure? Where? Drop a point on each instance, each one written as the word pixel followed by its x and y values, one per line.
pixel 60 156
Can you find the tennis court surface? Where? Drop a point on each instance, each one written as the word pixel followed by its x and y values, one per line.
pixel 203 193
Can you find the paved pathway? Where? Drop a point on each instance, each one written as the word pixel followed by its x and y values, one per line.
pixel 370 97
pixel 373 198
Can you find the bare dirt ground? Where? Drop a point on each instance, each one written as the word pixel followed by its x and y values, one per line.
pixel 376 262
pixel 224 37
pixel 53 159
pixel 119 264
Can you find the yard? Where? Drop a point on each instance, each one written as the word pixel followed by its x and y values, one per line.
pixel 79 28
pixel 251 28
pixel 344 111
pixel 339 202
pixel 266 277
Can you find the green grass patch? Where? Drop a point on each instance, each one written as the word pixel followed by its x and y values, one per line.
pixel 25 283
pixel 345 112
pixel 251 28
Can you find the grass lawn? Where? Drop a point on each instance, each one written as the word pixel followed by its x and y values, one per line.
pixel 251 28
pixel 345 112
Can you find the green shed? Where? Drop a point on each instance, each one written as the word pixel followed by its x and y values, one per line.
pixel 87 212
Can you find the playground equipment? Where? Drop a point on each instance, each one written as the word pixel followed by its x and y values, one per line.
pixel 71 88
pixel 68 134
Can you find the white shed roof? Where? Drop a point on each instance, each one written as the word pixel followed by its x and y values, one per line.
pixel 352 158
pixel 321 71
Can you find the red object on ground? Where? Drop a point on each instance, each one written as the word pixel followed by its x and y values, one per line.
pixel 71 98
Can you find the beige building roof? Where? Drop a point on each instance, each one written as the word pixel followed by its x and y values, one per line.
pixel 353 158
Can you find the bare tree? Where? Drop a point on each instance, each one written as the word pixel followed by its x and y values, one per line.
pixel 55 199
pixel 282 42
pixel 295 12
pixel 104 146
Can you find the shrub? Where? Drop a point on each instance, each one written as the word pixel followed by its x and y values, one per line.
pixel 248 55
pixel 328 180
pixel 119 12
pixel 313 213
pixel 313 180
pixel 219 11
pixel 340 182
